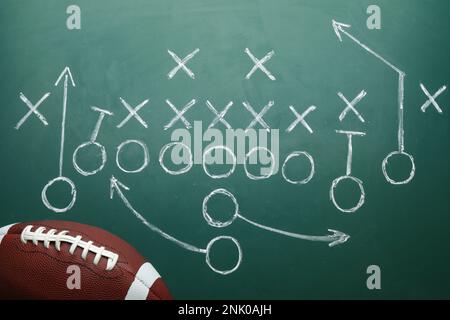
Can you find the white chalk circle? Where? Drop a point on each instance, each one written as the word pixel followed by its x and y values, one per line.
pixel 163 152
pixel 73 192
pixel 216 223
pixel 294 155
pixel 272 166
pixel 223 175
pixel 144 149
pixel 386 161
pixel 84 145
pixel 361 198
pixel 208 251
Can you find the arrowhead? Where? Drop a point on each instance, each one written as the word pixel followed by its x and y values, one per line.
pixel 116 185
pixel 338 237
pixel 65 72
pixel 338 27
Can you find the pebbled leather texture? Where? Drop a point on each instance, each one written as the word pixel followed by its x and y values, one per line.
pixel 30 271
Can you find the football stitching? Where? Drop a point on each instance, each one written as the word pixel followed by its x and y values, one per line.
pixel 122 269
pixel 88 266
pixel 121 255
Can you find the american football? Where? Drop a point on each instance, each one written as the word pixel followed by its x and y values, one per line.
pixel 69 260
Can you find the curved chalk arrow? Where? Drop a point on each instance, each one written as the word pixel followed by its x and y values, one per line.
pixel 334 239
pixel 117 186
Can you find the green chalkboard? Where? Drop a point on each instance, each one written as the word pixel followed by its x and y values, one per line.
pixel 121 52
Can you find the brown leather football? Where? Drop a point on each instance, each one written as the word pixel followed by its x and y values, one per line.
pixel 69 260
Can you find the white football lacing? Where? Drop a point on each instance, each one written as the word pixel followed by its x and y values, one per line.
pixel 62 236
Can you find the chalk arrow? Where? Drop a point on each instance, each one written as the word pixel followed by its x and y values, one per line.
pixel 334 239
pixel 338 28
pixel 66 72
pixel 338 237
pixel 67 75
pixel 341 29
pixel 116 187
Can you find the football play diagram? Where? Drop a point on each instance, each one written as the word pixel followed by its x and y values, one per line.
pixel 333 238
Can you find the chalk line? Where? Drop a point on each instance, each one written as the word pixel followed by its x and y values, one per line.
pixel 98 124
pixel 300 118
pixel 179 115
pixel 67 74
pixel 258 117
pixel 351 105
pixel 219 116
pixel 116 187
pixel 337 237
pixel 133 112
pixel 294 155
pixel 144 150
pixel 163 152
pixel 182 64
pixel 432 99
pixel 350 147
pixel 339 29
pixel 33 109
pixel 259 64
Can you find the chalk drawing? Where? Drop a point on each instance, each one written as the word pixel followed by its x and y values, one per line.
pixel 272 164
pixel 182 170
pixel 351 105
pixel 179 114
pixel 73 193
pixel 223 175
pixel 181 64
pixel 92 142
pixel 348 175
pixel 258 117
pixel 133 113
pixel 208 254
pixel 33 109
pixel 116 187
pixel 144 151
pixel 340 29
pixel 296 154
pixel 219 116
pixel 259 64
pixel 300 119
pixel 337 237
pixel 66 74
pixel 432 98
pixel 386 161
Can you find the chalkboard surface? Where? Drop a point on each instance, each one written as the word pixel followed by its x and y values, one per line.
pixel 121 52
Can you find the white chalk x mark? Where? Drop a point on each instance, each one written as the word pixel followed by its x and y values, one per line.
pixel 432 98
pixel 351 105
pixel 259 64
pixel 258 117
pixel 300 118
pixel 33 110
pixel 179 114
pixel 219 116
pixel 133 113
pixel 181 64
